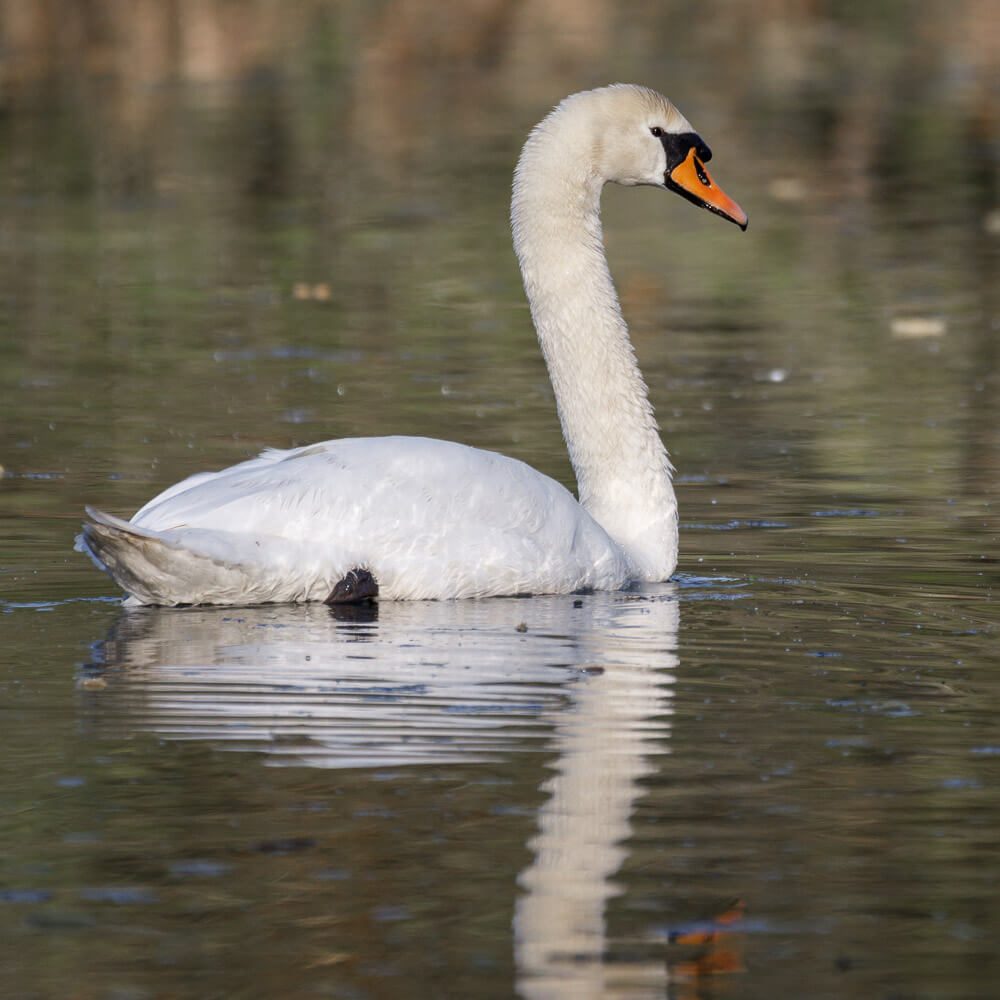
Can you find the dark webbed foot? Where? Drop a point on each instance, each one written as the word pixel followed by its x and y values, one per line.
pixel 357 587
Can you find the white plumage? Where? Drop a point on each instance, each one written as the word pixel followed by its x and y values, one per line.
pixel 435 519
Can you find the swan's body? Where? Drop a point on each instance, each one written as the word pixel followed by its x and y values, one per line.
pixel 433 519
pixel 430 519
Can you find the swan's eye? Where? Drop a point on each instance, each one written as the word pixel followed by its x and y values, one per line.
pixel 657 131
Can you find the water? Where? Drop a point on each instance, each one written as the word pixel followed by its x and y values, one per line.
pixel 773 776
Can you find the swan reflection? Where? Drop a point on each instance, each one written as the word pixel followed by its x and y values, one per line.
pixel 588 679
pixel 605 740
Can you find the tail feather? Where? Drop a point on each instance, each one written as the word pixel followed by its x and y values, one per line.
pixel 184 565
pixel 98 519
pixel 135 557
pixel 152 568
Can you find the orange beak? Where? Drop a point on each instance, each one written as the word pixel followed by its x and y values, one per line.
pixel 690 179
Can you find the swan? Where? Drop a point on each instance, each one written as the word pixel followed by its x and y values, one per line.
pixel 413 518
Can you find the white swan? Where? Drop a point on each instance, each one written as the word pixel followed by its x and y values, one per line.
pixel 412 518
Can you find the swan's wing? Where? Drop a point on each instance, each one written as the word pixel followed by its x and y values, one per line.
pixel 428 518
pixel 266 457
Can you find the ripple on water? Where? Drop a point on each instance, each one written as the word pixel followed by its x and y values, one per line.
pixel 422 683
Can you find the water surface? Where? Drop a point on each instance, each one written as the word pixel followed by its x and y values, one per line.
pixel 773 776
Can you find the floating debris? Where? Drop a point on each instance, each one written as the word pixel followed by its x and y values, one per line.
pixel 787 189
pixel 917 327
pixel 304 292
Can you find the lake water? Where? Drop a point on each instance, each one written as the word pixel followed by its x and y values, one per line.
pixel 774 776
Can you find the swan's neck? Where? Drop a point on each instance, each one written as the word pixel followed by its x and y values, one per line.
pixel 621 466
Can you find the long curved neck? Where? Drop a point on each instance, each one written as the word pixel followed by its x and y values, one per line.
pixel 621 466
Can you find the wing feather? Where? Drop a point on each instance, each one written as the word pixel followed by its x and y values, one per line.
pixel 429 518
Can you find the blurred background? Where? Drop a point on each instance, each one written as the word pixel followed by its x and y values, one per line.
pixel 226 224
pixel 245 176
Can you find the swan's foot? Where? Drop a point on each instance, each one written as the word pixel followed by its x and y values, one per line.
pixel 357 587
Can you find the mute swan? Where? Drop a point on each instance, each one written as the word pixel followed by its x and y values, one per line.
pixel 413 518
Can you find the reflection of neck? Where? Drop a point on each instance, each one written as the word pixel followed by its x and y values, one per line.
pixel 604 739
pixel 621 466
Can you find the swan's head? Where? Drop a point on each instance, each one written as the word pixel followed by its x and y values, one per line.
pixel 633 135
